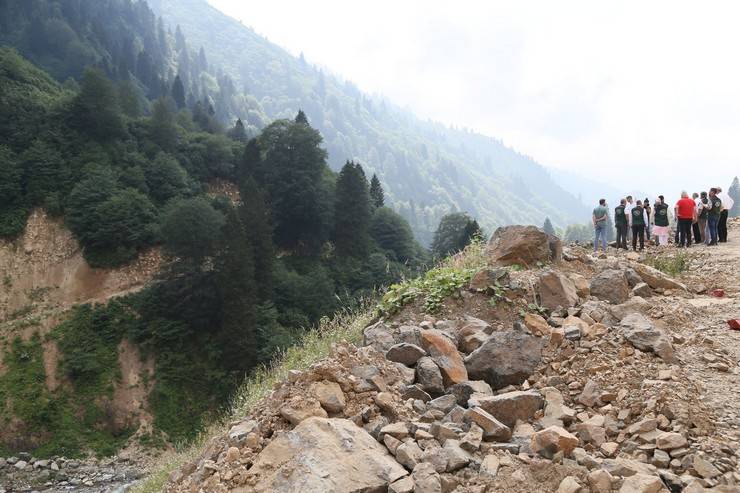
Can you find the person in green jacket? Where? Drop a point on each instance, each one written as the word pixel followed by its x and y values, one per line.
pixel 715 211
pixel 620 223
pixel 638 219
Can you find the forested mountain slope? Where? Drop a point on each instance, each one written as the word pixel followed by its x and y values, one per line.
pixel 429 169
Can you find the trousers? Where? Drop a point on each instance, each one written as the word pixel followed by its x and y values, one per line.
pixel 722 226
pixel 684 231
pixel 622 236
pixel 638 232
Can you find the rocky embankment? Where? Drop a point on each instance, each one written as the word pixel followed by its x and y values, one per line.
pixel 26 473
pixel 581 374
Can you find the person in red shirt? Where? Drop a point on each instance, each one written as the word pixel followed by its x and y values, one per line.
pixel 686 212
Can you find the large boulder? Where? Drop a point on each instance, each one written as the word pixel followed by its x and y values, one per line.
pixel 656 279
pixel 378 336
pixel 445 355
pixel 523 245
pixel 643 334
pixel 556 290
pixel 506 358
pixel 323 454
pixel 405 353
pixel 428 376
pixel 511 407
pixel 610 285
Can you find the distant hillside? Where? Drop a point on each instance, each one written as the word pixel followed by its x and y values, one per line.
pixel 428 169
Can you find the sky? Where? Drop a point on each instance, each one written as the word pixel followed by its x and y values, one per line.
pixel 640 95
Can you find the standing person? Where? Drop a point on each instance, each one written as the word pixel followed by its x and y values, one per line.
pixel 628 210
pixel 715 211
pixel 620 223
pixel 727 203
pixel 638 218
pixel 686 212
pixel 599 220
pixel 695 225
pixel 648 213
pixel 662 229
pixel 702 210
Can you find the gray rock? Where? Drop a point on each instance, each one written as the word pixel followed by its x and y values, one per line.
pixel 511 406
pixel 556 290
pixel 405 353
pixel 633 278
pixel 428 376
pixel 426 479
pixel 506 358
pixel 444 403
pixel 642 289
pixel 378 336
pixel 463 391
pixel 610 285
pixel 643 334
pixel 239 432
pixel 493 429
pixel 523 245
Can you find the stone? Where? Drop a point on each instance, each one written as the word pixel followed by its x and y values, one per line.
pixel 300 410
pixel 437 457
pixel 457 458
pixel 463 391
pixel 470 338
pixel 704 468
pixel 636 304
pixel 405 353
pixel 512 406
pixel 589 433
pixel 409 454
pixel 627 467
pixel 569 484
pixel 444 431
pixel 493 429
pixel 537 325
pixel 378 336
pixel 444 353
pixel 429 376
pixel 555 289
pixel 552 440
pixel 610 285
pixel 368 378
pixel 471 441
pixel 486 279
pixel 20 464
pixel 330 396
pixel 489 466
pixel 595 330
pixel 443 403
pixel 403 485
pixel 555 407
pixel 656 279
pixel 641 483
pixel 322 454
pixel 239 432
pixel 232 454
pixel 523 245
pixel 426 479
pixel 590 394
pixel 661 458
pixel 609 449
pixel 415 392
pixel 670 440
pixel 633 278
pixel 643 334
pixel 600 481
pixel 391 443
pixel 506 358
pixel 642 289
pixel 581 283
pixel 409 334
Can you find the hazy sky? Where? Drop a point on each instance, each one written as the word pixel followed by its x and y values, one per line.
pixel 639 94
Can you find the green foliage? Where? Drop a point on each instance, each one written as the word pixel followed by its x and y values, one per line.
pixel 454 233
pixel 672 265
pixel 191 228
pixel 95 109
pixel 165 178
pixel 393 234
pixel 434 287
pixel 376 192
pixel 44 172
pixel 352 212
pixel 12 203
pixel 547 227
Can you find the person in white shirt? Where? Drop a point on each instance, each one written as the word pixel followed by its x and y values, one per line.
pixel 696 230
pixel 727 204
pixel 628 212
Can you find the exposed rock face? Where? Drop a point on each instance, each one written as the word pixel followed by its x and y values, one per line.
pixel 324 455
pixel 641 332
pixel 610 285
pixel 523 245
pixel 656 279
pixel 555 290
pixel 444 353
pixel 506 358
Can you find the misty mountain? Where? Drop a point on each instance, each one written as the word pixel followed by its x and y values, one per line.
pixel 428 169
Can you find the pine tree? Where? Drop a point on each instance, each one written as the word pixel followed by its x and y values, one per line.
pixel 547 227
pixel 352 212
pixel 734 193
pixel 454 233
pixel 301 118
pixel 393 234
pixel 256 219
pixel 162 129
pixel 178 92
pixel 238 132
pixel 44 169
pixel 376 192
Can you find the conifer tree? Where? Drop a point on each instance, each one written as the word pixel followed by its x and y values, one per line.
pixel 95 109
pixel 238 132
pixel 376 192
pixel 256 219
pixel 162 129
pixel 547 227
pixel 178 92
pixel 352 212
pixel 301 118
pixel 734 193
pixel 454 233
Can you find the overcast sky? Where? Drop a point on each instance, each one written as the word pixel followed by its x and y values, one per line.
pixel 641 94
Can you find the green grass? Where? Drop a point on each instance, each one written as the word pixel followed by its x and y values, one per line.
pixel 673 265
pixel 312 347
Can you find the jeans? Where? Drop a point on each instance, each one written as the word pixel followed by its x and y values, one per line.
pixel 684 231
pixel 622 236
pixel 638 231
pixel 600 232
pixel 722 226
pixel 712 223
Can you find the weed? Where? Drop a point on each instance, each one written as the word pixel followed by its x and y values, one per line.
pixel 672 265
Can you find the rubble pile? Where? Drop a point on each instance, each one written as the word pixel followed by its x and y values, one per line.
pixel 589 379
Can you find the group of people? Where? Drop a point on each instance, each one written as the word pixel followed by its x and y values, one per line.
pixel 702 216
